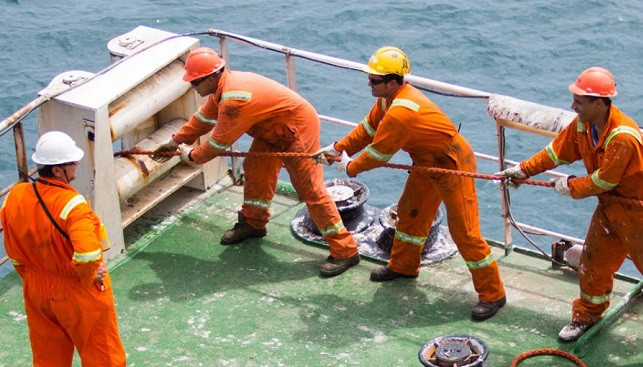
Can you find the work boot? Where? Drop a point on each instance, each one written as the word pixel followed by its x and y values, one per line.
pixel 484 310
pixel 334 266
pixel 384 274
pixel 572 331
pixel 241 232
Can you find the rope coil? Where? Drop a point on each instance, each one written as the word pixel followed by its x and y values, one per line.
pixel 547 352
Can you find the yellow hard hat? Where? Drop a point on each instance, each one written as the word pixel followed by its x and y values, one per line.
pixel 388 60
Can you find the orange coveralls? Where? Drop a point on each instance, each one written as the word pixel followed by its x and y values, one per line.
pixel 279 120
pixel 615 165
pixel 411 122
pixel 64 307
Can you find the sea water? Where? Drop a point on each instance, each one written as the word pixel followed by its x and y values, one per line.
pixel 527 49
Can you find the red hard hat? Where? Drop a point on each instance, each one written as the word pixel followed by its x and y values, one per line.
pixel 596 82
pixel 201 62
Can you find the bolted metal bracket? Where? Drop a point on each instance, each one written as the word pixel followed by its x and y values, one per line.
pixel 130 43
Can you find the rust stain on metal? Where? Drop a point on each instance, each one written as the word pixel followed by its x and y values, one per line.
pixel 115 108
pixel 145 172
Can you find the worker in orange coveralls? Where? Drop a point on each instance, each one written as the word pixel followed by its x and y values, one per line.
pixel 404 118
pixel 609 143
pixel 66 287
pixel 279 120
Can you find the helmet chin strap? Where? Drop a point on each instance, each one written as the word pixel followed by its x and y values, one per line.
pixel 66 176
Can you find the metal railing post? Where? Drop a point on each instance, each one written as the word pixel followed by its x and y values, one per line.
pixel 234 161
pixel 506 223
pixel 21 152
pixel 291 74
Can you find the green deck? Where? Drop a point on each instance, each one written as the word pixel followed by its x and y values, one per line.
pixel 185 300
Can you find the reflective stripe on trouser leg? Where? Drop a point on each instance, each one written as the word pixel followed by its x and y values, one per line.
pixel 261 175
pixel 307 179
pixel 602 256
pixel 416 210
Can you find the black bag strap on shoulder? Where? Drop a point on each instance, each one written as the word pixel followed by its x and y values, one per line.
pixel 48 213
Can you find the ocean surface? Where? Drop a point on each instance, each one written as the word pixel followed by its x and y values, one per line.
pixel 527 49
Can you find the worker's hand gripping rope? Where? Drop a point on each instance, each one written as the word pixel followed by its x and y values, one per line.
pixel 321 156
pixel 167 146
pixel 512 173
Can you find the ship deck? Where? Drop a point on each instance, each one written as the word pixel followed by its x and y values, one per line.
pixel 185 300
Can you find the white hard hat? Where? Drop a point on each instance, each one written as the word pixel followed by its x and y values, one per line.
pixel 56 147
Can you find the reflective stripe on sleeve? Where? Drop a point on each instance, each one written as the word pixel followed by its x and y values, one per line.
pixel 482 263
pixel 257 202
pixel 77 200
pixel 406 103
pixel 377 155
pixel 367 126
pixel 216 145
pixel 597 300
pixel 14 262
pixel 201 117
pixel 554 157
pixel 414 240
pixel 337 228
pixel 237 95
pixel 624 130
pixel 85 257
pixel 602 183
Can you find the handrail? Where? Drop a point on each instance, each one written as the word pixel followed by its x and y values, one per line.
pixel 345 64
pixel 291 54
pixel 17 116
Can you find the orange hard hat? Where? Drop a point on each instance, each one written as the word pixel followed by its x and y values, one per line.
pixel 201 62
pixel 596 82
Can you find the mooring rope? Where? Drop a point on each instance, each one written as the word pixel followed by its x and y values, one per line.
pixel 405 167
pixel 306 155
pixel 547 352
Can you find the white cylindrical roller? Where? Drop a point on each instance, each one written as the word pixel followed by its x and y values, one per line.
pixel 136 171
pixel 528 113
pixel 573 255
pixel 146 99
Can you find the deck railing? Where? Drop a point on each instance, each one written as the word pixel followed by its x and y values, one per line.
pixel 291 54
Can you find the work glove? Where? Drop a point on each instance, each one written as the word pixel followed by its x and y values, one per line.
pixel 167 146
pixel 344 163
pixel 513 173
pixel 185 155
pixel 321 156
pixel 561 186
